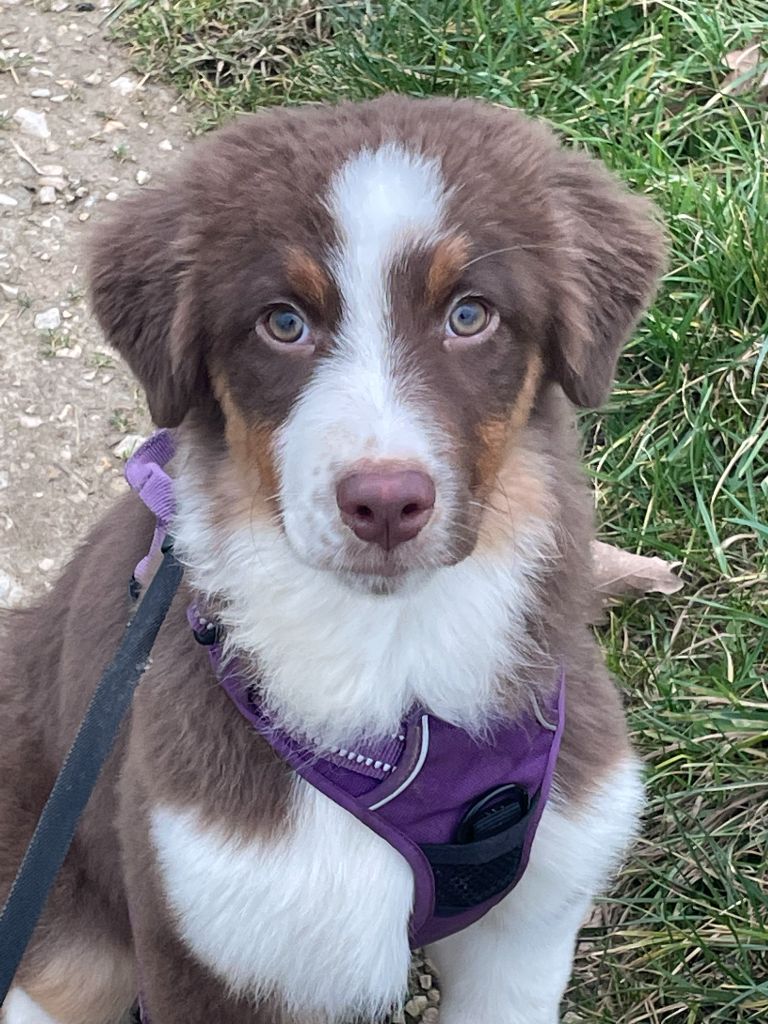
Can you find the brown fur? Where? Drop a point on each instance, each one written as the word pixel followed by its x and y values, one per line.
pixel 570 261
pixel 446 266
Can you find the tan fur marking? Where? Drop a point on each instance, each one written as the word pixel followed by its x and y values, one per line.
pixel 307 276
pixel 250 445
pixel 449 257
pixel 84 985
pixel 496 434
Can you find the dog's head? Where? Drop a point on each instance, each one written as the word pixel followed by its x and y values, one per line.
pixel 372 297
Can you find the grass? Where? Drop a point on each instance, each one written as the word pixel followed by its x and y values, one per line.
pixel 678 456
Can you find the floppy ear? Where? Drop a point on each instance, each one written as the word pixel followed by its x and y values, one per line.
pixel 613 258
pixel 141 291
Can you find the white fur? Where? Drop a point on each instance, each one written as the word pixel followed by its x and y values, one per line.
pixel 18 1008
pixel 337 663
pixel 512 966
pixel 318 916
pixel 363 401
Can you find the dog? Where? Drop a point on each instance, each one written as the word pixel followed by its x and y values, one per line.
pixel 370 326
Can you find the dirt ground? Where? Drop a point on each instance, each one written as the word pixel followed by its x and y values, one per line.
pixel 78 130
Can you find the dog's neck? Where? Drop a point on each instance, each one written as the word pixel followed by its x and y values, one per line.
pixel 336 662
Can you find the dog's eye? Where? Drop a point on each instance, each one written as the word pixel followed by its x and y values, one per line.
pixel 286 325
pixel 467 318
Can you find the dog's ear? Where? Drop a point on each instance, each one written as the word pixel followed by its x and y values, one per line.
pixel 141 288
pixel 613 256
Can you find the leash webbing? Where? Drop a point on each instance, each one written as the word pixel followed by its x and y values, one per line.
pixel 78 774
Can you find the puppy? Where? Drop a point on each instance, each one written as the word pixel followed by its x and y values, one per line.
pixel 369 325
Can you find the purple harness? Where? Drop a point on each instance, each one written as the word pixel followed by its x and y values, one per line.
pixel 462 811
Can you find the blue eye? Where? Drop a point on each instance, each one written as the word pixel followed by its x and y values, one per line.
pixel 468 317
pixel 285 325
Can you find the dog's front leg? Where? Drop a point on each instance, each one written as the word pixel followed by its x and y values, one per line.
pixel 512 966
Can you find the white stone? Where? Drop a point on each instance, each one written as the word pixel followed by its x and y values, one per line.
pixel 59 6
pixel 166 145
pixel 46 564
pixel 142 177
pixel 127 445
pixel 46 195
pixel 69 353
pixel 32 123
pixel 52 170
pixel 124 85
pixel 51 181
pixel 48 320
pixel 111 197
pixel 6 200
pixel 29 422
pixel 11 591
pixel 40 94
pixel 95 78
pixel 9 290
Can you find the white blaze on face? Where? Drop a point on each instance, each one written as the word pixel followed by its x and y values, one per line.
pixel 363 402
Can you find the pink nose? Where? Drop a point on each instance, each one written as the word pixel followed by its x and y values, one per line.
pixel 386 507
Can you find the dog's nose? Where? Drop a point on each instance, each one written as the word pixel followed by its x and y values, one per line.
pixel 386 507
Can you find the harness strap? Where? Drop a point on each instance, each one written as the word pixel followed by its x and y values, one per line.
pixel 79 772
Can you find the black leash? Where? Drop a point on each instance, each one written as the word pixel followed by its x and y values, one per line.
pixel 76 779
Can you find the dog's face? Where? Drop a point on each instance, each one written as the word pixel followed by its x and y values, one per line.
pixel 373 297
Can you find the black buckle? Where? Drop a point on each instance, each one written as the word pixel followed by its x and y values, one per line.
pixel 209 634
pixel 494 812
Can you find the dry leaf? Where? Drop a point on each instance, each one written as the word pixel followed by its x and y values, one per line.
pixel 743 66
pixel 618 572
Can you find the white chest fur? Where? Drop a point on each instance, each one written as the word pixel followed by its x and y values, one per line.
pixel 317 916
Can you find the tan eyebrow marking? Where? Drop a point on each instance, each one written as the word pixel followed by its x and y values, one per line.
pixel 447 263
pixel 306 275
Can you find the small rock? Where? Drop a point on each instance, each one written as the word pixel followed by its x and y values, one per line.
pixel 29 422
pixel 10 291
pixel 6 200
pixel 165 145
pixel 46 195
pixel 40 94
pixel 416 1005
pixel 430 1016
pixel 31 122
pixel 51 170
pixel 83 216
pixel 44 45
pixel 59 97
pixel 144 124
pixel 95 78
pixel 73 352
pixel 48 320
pixel 111 197
pixel 51 181
pixel 59 6
pixel 45 564
pixel 425 981
pixel 142 177
pixel 112 126
pixel 124 85
pixel 118 485
pixel 11 591
pixel 3 480
pixel 127 445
